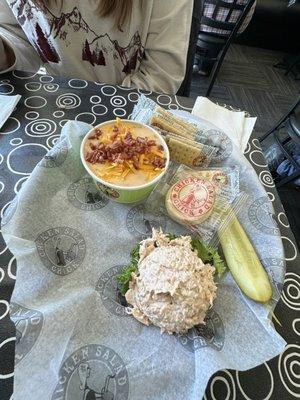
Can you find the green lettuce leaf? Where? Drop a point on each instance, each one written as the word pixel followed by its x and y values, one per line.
pixel 209 255
pixel 125 277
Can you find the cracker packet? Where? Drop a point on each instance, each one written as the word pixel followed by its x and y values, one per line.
pixel 186 151
pixel 179 134
pixel 204 201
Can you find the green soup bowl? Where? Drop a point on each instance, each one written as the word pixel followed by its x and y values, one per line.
pixel 119 193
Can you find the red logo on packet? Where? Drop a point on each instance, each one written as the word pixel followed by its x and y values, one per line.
pixel 193 196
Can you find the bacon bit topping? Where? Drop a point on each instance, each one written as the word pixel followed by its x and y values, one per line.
pixel 127 149
pixel 96 134
pixel 122 153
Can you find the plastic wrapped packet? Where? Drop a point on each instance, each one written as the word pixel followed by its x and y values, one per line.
pixel 167 121
pixel 224 177
pixel 198 200
pixel 187 152
pixel 179 134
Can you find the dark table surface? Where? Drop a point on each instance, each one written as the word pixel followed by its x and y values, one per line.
pixel 33 128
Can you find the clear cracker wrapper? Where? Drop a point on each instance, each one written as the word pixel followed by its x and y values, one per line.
pixel 179 134
pixel 204 201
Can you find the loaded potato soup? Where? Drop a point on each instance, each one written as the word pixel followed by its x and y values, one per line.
pixel 124 154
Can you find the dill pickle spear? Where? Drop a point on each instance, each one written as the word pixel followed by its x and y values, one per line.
pixel 244 263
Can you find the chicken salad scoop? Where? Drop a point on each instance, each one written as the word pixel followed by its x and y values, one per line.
pixel 172 287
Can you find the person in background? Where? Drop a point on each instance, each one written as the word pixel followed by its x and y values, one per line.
pixel 134 43
pixel 202 65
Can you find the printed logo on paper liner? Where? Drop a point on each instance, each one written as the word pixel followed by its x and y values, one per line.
pixel 92 372
pixel 140 222
pixel 108 288
pixel 61 249
pixel 28 325
pixel 261 215
pixel 211 334
pixel 275 268
pixel 9 211
pixel 84 195
pixel 55 156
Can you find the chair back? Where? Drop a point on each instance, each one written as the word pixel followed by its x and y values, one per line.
pixel 221 16
pixel 184 89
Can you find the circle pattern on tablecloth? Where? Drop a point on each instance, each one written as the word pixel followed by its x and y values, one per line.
pixel 226 380
pixel 33 86
pixel 8 211
pixel 35 102
pixel 68 101
pixel 46 79
pixel 118 101
pixel 31 115
pixel 19 184
pixel 12 268
pixel 266 179
pixel 291 291
pixel 41 127
pixel 164 100
pixel 99 109
pixel 119 112
pixel 6 88
pixel 62 122
pixel 34 152
pixel 133 97
pixel 245 385
pixel 51 87
pixel 8 346
pixel 77 83
pixel 58 114
pixel 16 141
pixel 23 74
pixel 108 90
pixel 87 117
pixel 95 99
pixel 52 140
pixel 296 326
pixel 11 125
pixel 288 367
pixel 257 158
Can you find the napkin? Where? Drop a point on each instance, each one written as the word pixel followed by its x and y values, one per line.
pixel 235 124
pixel 7 105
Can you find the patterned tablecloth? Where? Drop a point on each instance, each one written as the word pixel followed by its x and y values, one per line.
pixel 33 128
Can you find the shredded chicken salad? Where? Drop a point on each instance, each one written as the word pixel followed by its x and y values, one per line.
pixel 172 289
